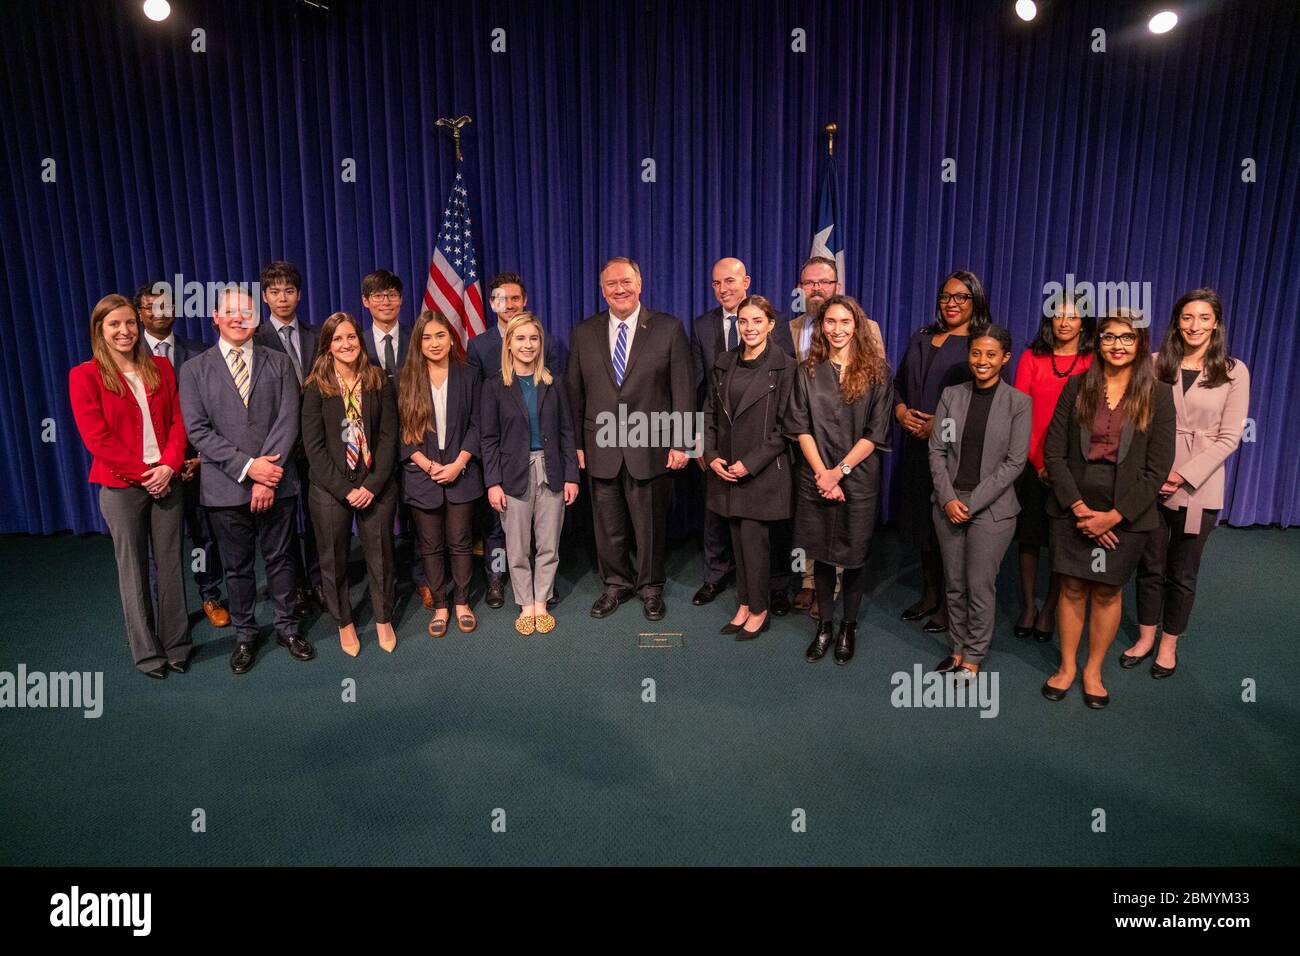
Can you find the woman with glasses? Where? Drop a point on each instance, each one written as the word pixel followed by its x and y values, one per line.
pixel 936 357
pixel 1109 450
pixel 1211 399
pixel 1062 349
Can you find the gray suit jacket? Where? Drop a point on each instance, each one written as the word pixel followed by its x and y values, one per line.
pixel 227 435
pixel 1006 447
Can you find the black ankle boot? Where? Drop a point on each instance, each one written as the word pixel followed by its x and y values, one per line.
pixel 821 643
pixel 844 643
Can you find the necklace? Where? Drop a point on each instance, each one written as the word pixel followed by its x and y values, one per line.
pixel 1069 371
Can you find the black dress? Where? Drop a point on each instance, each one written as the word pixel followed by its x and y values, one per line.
pixel 838 532
pixel 922 376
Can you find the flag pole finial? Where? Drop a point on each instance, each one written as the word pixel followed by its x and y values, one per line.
pixel 831 130
pixel 454 125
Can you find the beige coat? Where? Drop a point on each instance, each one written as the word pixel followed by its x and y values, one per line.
pixel 1210 421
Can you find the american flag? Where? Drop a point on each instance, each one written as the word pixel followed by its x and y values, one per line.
pixel 454 288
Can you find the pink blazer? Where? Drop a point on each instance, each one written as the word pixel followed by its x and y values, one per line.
pixel 1210 421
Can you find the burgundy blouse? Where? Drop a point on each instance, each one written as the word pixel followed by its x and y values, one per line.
pixel 1107 425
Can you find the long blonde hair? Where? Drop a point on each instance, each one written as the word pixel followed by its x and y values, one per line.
pixel 99 348
pixel 541 374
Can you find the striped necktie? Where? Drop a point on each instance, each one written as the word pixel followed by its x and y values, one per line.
pixel 162 350
pixel 620 354
pixel 240 371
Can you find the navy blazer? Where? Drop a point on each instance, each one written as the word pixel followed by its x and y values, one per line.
pixel 403 344
pixel 484 353
pixel 506 434
pixel 308 341
pixel 185 350
pixel 418 488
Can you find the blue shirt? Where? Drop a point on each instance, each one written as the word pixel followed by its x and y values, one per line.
pixel 529 388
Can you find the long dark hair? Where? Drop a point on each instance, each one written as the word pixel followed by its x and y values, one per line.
pixel 865 369
pixel 414 403
pixel 1217 362
pixel 1139 394
pixel 322 373
pixel 1044 342
pixel 980 317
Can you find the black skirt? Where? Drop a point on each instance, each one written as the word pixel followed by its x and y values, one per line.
pixel 838 532
pixel 1077 555
pixel 1032 526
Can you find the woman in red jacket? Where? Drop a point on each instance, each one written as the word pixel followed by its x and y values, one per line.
pixel 128 412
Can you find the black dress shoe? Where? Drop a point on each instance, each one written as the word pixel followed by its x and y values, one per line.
pixel 180 667
pixel 947 665
pixel 1054 693
pixel 159 673
pixel 730 628
pixel 918 610
pixel 1042 637
pixel 652 606
pixel 935 627
pixel 821 643
pixel 496 593
pixel 1022 632
pixel 608 603
pixel 242 659
pixel 1160 673
pixel 844 643
pixel 747 635
pixel 778 602
pixel 298 647
pixel 1096 701
pixel 706 593
pixel 1127 660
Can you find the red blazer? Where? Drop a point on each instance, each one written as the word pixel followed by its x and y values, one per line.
pixel 113 429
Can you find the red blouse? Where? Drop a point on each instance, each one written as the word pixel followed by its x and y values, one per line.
pixel 1034 377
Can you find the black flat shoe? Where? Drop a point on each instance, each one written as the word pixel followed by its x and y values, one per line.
pixel 934 627
pixel 1096 701
pixel 778 602
pixel 652 606
pixel 1160 673
pixel 158 673
pixel 1127 660
pixel 730 628
pixel 179 667
pixel 1042 637
pixel 706 593
pixel 609 602
pixel 844 643
pixel 821 643
pixel 947 665
pixel 1022 632
pixel 1054 693
pixel 918 611
pixel 744 634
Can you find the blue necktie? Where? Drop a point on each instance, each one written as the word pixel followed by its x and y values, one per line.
pixel 620 354
pixel 731 332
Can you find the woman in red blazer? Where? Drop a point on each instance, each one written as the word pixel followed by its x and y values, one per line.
pixel 129 415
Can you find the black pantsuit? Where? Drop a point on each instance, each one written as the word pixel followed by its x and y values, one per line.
pixel 1166 577
pixel 333 522
pixel 239 532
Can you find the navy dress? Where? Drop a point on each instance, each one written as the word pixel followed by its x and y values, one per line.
pixel 923 375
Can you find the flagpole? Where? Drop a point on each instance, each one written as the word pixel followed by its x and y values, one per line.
pixel 454 125
pixel 831 130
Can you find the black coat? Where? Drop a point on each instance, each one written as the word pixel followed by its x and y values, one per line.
pixel 418 488
pixel 505 434
pixel 658 380
pixel 322 439
pixel 708 341
pixel 1145 458
pixel 753 432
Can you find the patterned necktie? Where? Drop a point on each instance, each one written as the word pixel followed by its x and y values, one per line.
pixel 291 347
pixel 390 359
pixel 620 354
pixel 358 449
pixel 162 350
pixel 240 371
pixel 731 332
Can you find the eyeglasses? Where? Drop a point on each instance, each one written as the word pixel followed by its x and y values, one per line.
pixel 1123 338
pixel 961 298
pixel 820 283
pixel 384 296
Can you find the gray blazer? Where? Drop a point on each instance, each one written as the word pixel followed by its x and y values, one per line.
pixel 1006 447
pixel 227 435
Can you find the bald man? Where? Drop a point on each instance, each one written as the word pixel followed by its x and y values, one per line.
pixel 713 333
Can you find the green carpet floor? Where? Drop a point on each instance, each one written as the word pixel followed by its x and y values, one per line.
pixel 553 730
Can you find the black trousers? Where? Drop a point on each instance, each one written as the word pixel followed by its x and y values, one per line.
pixel 749 543
pixel 780 533
pixel 442 530
pixel 853 584
pixel 630 512
pixel 1166 574
pixel 333 522
pixel 719 554
pixel 239 532
pixel 199 529
pixel 306 555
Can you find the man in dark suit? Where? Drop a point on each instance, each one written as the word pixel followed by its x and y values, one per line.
pixel 627 364
pixel 157 318
pixel 239 400
pixel 386 342
pixel 285 332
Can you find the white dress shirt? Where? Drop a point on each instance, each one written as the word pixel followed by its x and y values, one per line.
pixel 726 321
pixel 378 335
pixel 150 452
pixel 630 322
pixel 153 344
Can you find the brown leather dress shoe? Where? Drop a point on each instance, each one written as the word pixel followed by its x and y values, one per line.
pixel 426 597
pixel 218 616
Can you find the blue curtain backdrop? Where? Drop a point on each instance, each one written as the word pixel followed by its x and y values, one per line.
pixel 1117 166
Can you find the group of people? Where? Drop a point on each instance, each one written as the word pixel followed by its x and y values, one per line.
pixel 287 436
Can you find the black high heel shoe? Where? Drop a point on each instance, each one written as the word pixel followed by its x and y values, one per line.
pixel 844 643
pixel 821 643
pixel 918 610
pixel 1127 660
pixel 1021 631
pixel 744 634
pixel 730 628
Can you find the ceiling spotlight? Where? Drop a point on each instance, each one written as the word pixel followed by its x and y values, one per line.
pixel 1163 22
pixel 1026 9
pixel 157 9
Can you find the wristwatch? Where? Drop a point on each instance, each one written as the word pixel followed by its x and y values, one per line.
pixel 845 468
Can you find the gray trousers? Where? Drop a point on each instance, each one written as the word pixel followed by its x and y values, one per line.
pixel 541 513
pixel 136 520
pixel 972 553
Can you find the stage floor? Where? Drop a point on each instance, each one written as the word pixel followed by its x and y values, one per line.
pixel 554 731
